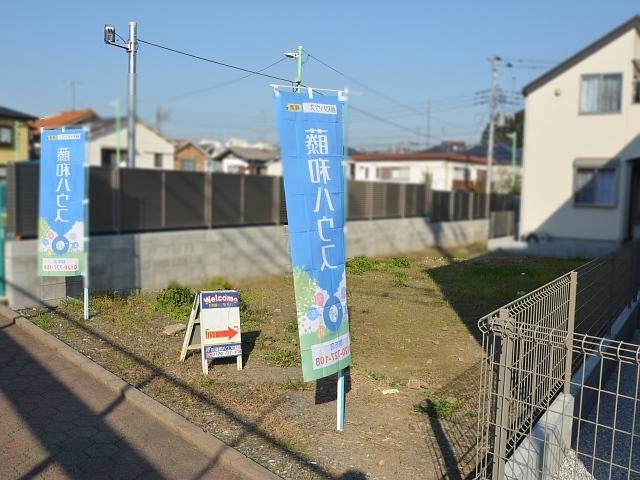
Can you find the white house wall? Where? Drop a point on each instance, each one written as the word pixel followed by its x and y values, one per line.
pixel 148 143
pixel 440 171
pixel 556 134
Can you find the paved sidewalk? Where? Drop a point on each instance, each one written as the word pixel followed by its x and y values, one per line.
pixel 56 421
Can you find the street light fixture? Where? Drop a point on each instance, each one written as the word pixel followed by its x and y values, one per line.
pixel 131 46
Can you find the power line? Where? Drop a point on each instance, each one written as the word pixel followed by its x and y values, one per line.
pixel 222 64
pixel 384 120
pixel 363 85
pixel 218 85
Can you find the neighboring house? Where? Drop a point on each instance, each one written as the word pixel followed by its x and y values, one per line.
pixel 153 149
pixel 247 160
pixel 506 173
pixel 444 170
pixel 14 135
pixel 190 157
pixel 581 177
pixel 68 119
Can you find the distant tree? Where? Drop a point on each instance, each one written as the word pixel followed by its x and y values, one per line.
pixel 512 123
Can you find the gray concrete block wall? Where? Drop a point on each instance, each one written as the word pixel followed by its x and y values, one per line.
pixel 149 261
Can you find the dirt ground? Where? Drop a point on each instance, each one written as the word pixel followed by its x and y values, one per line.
pixel 411 323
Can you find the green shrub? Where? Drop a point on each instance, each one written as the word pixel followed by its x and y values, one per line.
pixel 175 301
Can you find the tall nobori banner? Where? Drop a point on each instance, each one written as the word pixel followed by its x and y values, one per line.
pixel 62 192
pixel 311 145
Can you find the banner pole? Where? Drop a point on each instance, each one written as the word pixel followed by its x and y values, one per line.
pixel 345 174
pixel 86 228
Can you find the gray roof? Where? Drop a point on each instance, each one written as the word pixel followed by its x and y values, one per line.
pixel 9 113
pixel 633 22
pixel 250 154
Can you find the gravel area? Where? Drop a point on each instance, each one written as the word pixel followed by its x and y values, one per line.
pixel 608 444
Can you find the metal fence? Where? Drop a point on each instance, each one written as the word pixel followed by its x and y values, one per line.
pixel 528 422
pixel 137 200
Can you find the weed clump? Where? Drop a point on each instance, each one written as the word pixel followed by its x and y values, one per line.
pixel 175 301
pixel 282 357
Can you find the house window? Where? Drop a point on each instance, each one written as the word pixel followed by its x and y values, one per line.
pixel 595 187
pixel 400 173
pixel 601 93
pixel 108 157
pixel 157 160
pixel 461 174
pixel 6 136
pixel 189 165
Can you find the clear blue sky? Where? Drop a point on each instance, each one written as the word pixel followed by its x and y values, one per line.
pixel 413 51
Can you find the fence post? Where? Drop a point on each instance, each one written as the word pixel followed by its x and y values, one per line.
pixel 503 400
pixel 402 200
pixel 571 323
pixel 470 207
pixel 241 192
pixel 115 198
pixel 370 200
pixel 276 200
pixel 452 207
pixel 163 199
pixel 208 207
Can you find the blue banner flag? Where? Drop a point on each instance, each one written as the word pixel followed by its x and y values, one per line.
pixel 311 146
pixel 61 219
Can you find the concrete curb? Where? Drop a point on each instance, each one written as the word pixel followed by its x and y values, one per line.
pixel 208 444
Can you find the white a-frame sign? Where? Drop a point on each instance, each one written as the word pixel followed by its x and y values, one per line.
pixel 214 327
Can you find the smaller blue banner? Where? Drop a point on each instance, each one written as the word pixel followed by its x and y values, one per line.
pixel 61 223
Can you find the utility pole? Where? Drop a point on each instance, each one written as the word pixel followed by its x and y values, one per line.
pixel 495 60
pixel 299 79
pixel 73 84
pixel 132 47
pixel 161 116
pixel 514 146
pixel 298 56
pixel 116 105
pixel 428 124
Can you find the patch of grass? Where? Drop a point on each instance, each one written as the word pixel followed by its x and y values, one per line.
pixel 282 357
pixel 397 382
pixel 293 384
pixel 42 320
pixel 291 326
pixel 175 301
pixel 437 406
pixel 361 265
pixel 399 279
pixel 377 376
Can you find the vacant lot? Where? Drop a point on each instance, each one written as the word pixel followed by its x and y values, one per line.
pixel 412 318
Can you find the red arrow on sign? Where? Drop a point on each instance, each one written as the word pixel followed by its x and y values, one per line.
pixel 229 332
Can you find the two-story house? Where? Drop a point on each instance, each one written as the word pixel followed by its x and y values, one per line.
pixel 581 173
pixel 14 135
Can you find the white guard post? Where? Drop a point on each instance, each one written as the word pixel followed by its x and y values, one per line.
pixel 85 203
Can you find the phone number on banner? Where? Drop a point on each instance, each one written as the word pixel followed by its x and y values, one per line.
pixel 328 353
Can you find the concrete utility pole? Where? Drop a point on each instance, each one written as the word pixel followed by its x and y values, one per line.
pixel 428 124
pixel 495 60
pixel 132 47
pixel 73 84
